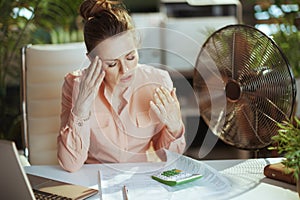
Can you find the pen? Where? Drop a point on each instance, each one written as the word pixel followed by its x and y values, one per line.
pixel 99 185
pixel 125 193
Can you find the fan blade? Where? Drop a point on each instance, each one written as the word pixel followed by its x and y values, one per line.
pixel 240 49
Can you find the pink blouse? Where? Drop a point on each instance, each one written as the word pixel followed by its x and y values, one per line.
pixel 111 137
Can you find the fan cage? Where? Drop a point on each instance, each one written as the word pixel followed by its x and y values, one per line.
pixel 244 85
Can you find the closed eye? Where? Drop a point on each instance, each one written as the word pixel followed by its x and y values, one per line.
pixel 131 55
pixel 112 64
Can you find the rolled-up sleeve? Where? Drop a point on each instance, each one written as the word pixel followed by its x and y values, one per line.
pixel 74 135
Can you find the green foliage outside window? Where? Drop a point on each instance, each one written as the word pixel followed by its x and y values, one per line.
pixel 23 22
pixel 285 16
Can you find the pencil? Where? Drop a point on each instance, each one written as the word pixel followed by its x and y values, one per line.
pixel 125 193
pixel 99 185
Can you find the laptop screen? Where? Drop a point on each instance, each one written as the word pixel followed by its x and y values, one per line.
pixel 14 183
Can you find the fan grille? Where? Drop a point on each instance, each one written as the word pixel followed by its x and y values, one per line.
pixel 244 85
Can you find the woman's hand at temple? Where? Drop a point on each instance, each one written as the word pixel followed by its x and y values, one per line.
pixel 167 109
pixel 88 88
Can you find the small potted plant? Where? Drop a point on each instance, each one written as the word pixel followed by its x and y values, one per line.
pixel 287 143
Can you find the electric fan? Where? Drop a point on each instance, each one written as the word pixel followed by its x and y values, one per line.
pixel 244 85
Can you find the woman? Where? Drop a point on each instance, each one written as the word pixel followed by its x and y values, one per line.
pixel 116 109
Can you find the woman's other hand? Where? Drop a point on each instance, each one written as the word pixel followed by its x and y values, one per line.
pixel 88 88
pixel 166 106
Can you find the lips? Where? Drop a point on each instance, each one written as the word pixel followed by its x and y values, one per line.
pixel 126 78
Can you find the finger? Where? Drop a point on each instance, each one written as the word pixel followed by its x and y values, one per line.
pixel 157 99
pixel 163 110
pixel 91 68
pixel 99 80
pixel 173 94
pixel 161 96
pixel 154 108
pixel 96 73
pixel 159 104
pixel 157 111
pixel 167 95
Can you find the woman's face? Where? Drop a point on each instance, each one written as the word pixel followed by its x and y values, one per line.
pixel 119 59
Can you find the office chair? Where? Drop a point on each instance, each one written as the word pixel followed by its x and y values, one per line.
pixel 43 71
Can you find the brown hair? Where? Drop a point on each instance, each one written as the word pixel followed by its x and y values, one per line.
pixel 103 19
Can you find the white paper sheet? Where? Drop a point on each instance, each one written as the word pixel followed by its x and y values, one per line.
pixel 244 176
pixel 140 185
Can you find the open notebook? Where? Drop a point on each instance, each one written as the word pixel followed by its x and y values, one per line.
pixel 16 184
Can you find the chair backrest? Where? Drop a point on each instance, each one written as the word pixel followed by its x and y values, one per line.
pixel 43 71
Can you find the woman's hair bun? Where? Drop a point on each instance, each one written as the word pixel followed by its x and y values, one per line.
pixel 90 8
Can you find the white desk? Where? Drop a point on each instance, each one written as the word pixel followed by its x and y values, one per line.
pixel 245 177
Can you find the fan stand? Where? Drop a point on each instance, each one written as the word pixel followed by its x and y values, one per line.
pixel 255 153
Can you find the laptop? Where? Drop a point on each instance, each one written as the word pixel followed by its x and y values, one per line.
pixel 16 184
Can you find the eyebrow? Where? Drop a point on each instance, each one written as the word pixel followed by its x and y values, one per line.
pixel 117 58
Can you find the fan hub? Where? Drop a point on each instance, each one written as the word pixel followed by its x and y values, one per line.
pixel 233 90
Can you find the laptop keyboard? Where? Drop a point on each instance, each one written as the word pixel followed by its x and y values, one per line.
pixel 39 195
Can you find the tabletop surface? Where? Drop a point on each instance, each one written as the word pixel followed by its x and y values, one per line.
pixel 224 179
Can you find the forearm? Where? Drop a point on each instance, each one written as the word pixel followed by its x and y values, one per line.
pixel 73 144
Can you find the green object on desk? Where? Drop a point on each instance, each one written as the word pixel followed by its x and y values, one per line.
pixel 175 177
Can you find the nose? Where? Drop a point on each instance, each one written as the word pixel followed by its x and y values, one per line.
pixel 123 67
